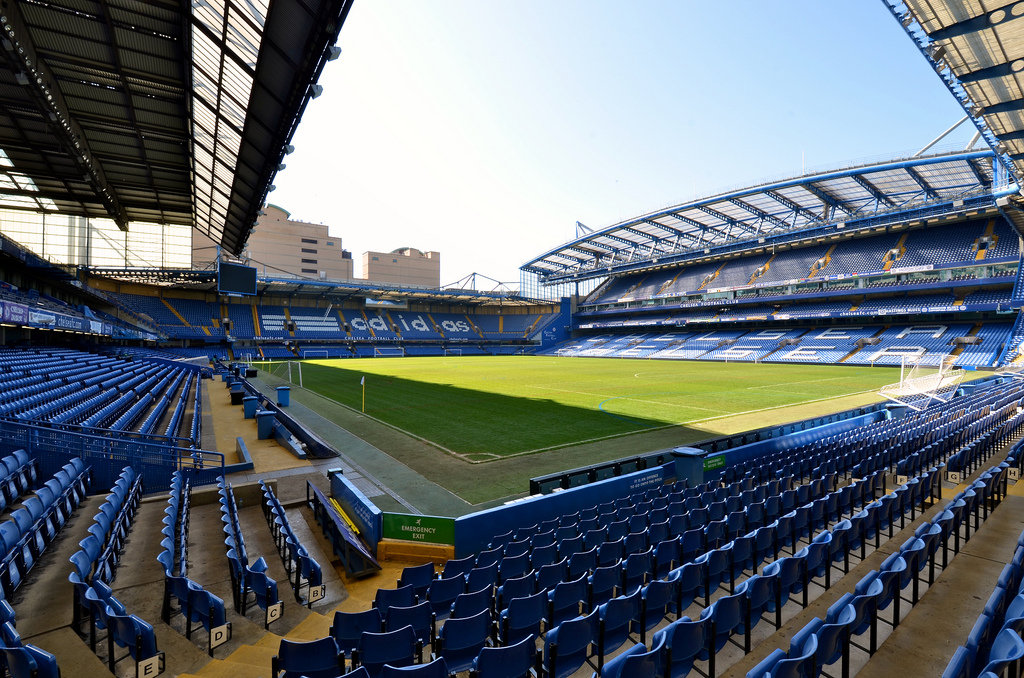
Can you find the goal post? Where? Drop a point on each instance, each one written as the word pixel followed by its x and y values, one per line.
pixel 288 370
pixel 388 352
pixel 924 379
pixel 315 353
pixel 453 351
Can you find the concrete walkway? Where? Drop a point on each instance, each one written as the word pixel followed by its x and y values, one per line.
pixel 389 483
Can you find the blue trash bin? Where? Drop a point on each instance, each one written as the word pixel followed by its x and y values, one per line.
pixel 249 405
pixel 284 395
pixel 264 424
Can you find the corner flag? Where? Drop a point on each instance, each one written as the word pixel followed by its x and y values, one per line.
pixel 362 382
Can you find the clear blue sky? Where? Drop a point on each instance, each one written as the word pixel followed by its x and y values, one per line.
pixel 485 130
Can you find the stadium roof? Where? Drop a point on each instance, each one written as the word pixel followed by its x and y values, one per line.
pixel 977 48
pixel 156 111
pixel 794 208
pixel 206 281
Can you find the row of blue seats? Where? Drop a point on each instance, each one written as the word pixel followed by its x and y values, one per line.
pixel 880 510
pixel 302 569
pixel 528 610
pixel 33 527
pixel 20 660
pixel 940 424
pixel 676 648
pixel 94 567
pixel 995 640
pixel 195 604
pixel 969 458
pixel 245 578
pixel 824 642
pixel 18 474
pixel 100 551
pixel 571 639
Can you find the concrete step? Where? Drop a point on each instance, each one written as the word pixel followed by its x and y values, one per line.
pixel 43 602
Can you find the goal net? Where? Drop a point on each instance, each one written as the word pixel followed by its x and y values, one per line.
pixel 315 353
pixel 453 351
pixel 924 379
pixel 288 370
pixel 388 352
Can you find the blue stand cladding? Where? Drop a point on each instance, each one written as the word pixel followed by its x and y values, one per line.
pixel 474 531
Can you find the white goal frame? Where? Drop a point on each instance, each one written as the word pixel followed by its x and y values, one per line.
pixel 452 351
pixel 929 378
pixel 290 370
pixel 306 353
pixel 379 352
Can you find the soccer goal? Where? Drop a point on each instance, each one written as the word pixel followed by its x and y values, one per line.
pixel 388 352
pixel 924 379
pixel 453 351
pixel 315 353
pixel 289 370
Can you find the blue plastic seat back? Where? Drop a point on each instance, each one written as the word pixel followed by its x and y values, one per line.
pixel 419 577
pixel 685 640
pixel 435 669
pixel 473 602
pixel 442 593
pixel 419 617
pixel 481 577
pixel 617 620
pixel 201 605
pixel 348 627
pixel 565 600
pixel 314 659
pixel 30 662
pixel 568 645
pixel 657 598
pixel 1007 648
pixel 404 596
pixel 397 648
pixel 515 588
pixel 523 617
pixel 135 634
pixel 461 639
pixel 509 661
pixel 728 613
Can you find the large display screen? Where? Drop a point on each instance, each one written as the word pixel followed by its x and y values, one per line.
pixel 236 279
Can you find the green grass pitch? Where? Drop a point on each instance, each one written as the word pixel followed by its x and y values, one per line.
pixel 492 407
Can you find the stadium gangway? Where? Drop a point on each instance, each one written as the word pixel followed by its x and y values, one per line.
pixel 354 555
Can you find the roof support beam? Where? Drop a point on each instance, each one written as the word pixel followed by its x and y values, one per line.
pixel 674 231
pixel 830 201
pixel 727 219
pixel 982 179
pixel 967 26
pixel 875 193
pixel 795 206
pixel 759 213
pixel 24 60
pixel 925 186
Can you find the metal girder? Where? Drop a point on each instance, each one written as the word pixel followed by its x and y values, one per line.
pixel 1010 106
pixel 919 180
pixel 795 206
pixel 693 222
pixel 727 219
pixel 978 174
pixel 22 55
pixel 681 234
pixel 759 213
pixel 997 71
pixel 875 193
pixel 968 26
pixel 606 248
pixel 830 201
